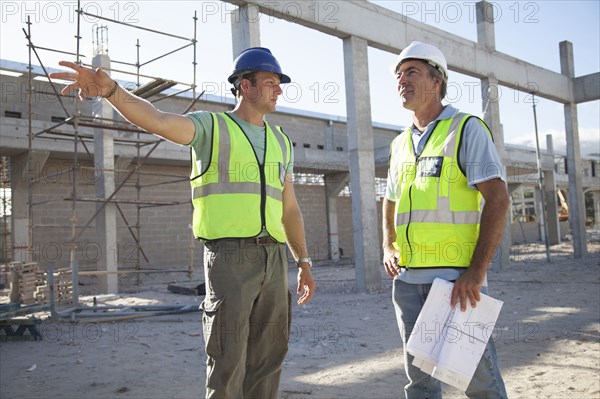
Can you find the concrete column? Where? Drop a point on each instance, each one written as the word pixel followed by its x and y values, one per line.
pixel 539 214
pixel 486 35
pixel 106 221
pixel 551 205
pixel 329 138
pixel 334 183
pixel 576 198
pixel 362 165
pixel 491 116
pixel 245 28
pixel 596 199
pixel 24 167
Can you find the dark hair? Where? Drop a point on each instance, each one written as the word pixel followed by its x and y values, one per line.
pixel 251 76
pixel 436 73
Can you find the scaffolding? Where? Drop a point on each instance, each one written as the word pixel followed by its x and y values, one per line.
pixel 144 147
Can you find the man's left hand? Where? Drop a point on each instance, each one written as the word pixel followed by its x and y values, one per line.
pixel 467 287
pixel 306 285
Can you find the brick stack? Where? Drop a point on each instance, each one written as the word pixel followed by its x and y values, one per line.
pixel 29 285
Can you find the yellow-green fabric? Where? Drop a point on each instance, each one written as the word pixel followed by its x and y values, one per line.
pixel 437 214
pixel 237 196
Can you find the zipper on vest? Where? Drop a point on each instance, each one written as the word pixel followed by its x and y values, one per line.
pixel 263 185
pixel 261 169
pixel 410 211
pixel 263 196
pixel 411 186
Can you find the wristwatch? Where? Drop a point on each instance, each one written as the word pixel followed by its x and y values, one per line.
pixel 304 260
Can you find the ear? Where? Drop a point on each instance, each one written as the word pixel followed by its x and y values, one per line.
pixel 245 84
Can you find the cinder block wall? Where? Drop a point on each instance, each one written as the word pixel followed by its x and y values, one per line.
pixel 164 231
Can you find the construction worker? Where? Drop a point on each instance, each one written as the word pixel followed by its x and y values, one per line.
pixel 245 210
pixel 433 223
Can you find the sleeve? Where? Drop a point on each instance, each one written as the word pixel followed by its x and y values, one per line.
pixel 290 166
pixel 391 187
pixel 478 155
pixel 202 141
pixel 203 123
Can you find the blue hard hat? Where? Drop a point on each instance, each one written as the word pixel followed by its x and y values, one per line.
pixel 256 59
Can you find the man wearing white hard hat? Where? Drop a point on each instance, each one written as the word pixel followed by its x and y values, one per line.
pixel 434 223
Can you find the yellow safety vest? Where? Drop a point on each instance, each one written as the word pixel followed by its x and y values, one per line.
pixel 237 196
pixel 437 214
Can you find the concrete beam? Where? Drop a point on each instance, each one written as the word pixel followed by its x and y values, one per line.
pixel 586 88
pixel 320 161
pixel 15 141
pixel 396 31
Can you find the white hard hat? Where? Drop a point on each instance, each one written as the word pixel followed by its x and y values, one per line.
pixel 426 52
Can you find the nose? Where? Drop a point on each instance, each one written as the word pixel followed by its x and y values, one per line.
pixel 401 78
pixel 278 90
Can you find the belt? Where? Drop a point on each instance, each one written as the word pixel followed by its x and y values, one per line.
pixel 266 240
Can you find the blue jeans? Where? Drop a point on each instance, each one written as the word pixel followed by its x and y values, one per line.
pixel 486 383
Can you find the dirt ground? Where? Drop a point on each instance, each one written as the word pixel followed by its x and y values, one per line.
pixel 344 344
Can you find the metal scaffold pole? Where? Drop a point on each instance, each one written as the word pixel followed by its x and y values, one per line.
pixel 543 219
pixel 79 135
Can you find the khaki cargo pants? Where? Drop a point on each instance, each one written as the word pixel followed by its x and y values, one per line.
pixel 246 319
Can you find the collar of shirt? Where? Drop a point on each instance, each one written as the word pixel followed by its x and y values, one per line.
pixel 420 138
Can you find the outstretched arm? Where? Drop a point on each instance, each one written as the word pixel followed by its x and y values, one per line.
pixel 97 83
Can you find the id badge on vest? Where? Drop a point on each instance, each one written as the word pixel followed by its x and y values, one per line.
pixel 430 166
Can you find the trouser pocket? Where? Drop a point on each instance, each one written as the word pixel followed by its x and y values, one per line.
pixel 211 325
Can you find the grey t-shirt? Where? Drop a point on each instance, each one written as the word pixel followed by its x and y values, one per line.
pixel 478 158
pixel 202 141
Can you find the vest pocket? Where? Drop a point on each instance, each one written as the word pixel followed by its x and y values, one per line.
pixel 211 325
pixel 432 245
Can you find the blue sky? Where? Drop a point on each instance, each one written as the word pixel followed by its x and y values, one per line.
pixel 524 29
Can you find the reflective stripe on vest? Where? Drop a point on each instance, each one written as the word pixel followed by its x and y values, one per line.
pixel 437 215
pixel 235 196
pixel 235 188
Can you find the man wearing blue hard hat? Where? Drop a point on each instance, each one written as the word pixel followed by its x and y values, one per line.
pixel 245 210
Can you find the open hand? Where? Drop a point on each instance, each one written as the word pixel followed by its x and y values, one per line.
pixel 89 82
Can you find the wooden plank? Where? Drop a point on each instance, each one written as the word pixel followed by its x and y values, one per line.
pixel 192 288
